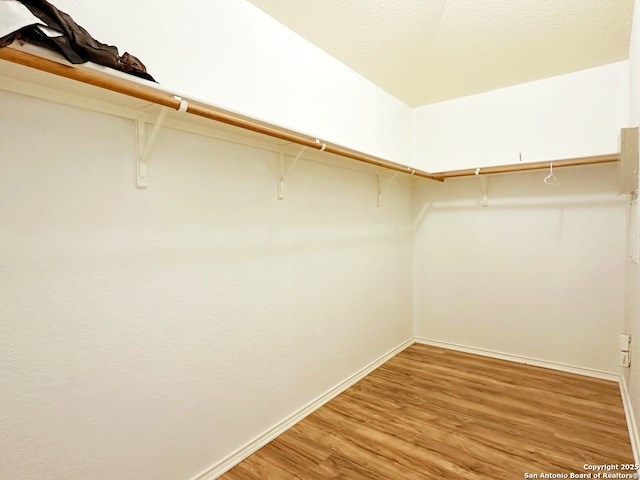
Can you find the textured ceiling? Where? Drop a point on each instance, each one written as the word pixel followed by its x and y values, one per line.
pixel 426 51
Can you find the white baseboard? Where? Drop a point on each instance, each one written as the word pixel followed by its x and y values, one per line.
pixel 634 434
pixel 588 372
pixel 236 457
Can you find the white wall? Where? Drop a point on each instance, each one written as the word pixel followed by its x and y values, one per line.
pixel 632 304
pixel 230 53
pixel 148 334
pixel 538 273
pixel 574 115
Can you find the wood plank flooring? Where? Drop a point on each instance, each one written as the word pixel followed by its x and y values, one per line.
pixel 431 413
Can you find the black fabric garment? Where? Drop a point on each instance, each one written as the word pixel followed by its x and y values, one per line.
pixel 75 43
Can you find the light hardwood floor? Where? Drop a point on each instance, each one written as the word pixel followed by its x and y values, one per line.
pixel 431 413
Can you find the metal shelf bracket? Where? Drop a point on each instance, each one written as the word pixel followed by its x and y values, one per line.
pixel 382 186
pixel 483 185
pixel 284 172
pixel 144 145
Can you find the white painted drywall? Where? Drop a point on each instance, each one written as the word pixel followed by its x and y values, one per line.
pixel 148 334
pixel 538 273
pixel 632 298
pixel 232 54
pixel 574 115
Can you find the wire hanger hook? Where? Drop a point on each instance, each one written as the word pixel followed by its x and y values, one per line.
pixel 551 178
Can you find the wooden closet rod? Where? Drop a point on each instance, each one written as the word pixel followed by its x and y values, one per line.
pixel 523 167
pixel 147 93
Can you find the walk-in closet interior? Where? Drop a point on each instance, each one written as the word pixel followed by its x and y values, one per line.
pixel 317 217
